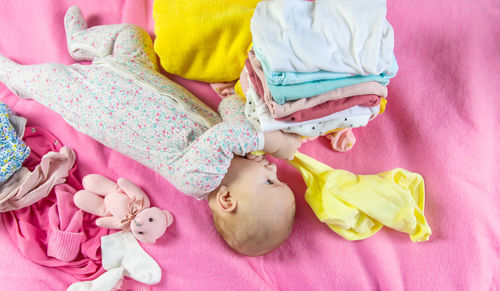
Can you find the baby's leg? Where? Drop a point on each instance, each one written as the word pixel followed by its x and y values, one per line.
pixel 123 40
pixel 50 84
pixel 79 93
pixel 33 81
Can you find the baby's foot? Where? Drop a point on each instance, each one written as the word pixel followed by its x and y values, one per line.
pixel 7 66
pixel 75 25
pixel 5 61
pixel 74 21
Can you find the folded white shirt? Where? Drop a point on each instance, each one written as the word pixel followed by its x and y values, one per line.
pixel 342 36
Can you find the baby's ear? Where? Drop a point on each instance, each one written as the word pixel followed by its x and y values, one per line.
pixel 225 201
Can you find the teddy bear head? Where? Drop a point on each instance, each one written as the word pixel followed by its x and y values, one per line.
pixel 150 224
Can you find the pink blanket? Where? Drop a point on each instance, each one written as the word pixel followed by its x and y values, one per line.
pixel 442 121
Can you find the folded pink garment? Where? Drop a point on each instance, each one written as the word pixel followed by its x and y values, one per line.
pixel 256 79
pixel 332 106
pixel 65 220
pixel 30 227
pixel 29 187
pixel 256 75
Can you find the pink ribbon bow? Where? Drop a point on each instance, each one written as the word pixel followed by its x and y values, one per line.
pixel 135 206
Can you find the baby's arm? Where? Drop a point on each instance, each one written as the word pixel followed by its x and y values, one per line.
pixel 232 108
pixel 281 145
pixel 277 143
pixel 202 166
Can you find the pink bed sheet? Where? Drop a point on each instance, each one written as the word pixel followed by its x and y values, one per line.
pixel 442 121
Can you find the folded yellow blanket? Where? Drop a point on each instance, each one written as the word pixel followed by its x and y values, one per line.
pixel 357 206
pixel 203 40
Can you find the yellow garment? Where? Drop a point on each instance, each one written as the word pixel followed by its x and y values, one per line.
pixel 238 90
pixel 258 153
pixel 383 104
pixel 357 206
pixel 203 40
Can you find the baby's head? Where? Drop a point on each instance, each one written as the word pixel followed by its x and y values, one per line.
pixel 253 211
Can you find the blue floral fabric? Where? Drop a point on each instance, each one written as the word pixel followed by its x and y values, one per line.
pixel 13 151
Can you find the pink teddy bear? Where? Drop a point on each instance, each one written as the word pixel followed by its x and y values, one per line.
pixel 122 205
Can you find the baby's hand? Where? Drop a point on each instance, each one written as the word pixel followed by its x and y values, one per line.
pixel 257 158
pixel 291 143
pixel 281 145
pixel 224 89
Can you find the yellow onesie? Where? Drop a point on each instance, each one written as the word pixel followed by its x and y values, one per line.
pixel 357 206
pixel 203 40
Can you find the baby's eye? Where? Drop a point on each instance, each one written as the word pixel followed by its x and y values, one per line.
pixel 150 219
pixel 269 182
pixel 140 232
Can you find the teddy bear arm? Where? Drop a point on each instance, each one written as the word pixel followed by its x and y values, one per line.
pixel 99 184
pixel 90 202
pixel 133 190
pixel 109 222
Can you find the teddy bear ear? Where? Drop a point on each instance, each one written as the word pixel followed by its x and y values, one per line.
pixel 169 216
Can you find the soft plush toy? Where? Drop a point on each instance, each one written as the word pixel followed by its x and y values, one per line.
pixel 122 205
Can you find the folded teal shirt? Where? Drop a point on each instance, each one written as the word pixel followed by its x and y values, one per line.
pixel 13 151
pixel 282 94
pixel 288 86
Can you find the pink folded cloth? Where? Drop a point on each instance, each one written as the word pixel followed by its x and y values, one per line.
pixel 332 106
pixel 50 232
pixel 256 76
pixel 256 79
pixel 65 221
pixel 27 187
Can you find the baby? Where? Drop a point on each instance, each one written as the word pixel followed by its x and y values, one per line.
pixel 122 101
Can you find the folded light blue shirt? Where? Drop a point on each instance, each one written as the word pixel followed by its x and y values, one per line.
pixel 282 94
pixel 289 86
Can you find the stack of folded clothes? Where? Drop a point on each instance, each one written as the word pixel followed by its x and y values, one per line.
pixel 318 66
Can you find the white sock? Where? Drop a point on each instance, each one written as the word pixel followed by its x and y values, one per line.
pixel 105 282
pixel 121 249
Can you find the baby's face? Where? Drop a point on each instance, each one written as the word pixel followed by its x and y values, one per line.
pixel 266 204
pixel 258 186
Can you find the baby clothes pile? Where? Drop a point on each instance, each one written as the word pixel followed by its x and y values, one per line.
pixel 37 185
pixel 318 66
pixel 20 186
pixel 36 200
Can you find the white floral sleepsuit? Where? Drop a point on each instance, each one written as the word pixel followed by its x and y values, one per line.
pixel 123 102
